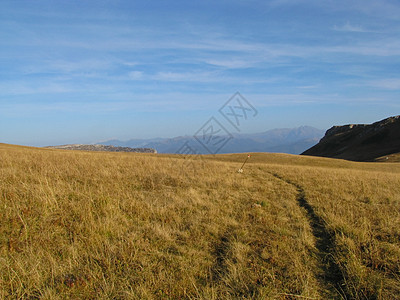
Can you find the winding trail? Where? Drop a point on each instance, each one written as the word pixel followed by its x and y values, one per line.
pixel 331 277
pixel 221 249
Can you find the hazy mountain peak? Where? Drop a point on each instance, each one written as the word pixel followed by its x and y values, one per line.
pixel 284 140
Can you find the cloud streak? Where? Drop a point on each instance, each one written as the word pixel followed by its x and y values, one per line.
pixel 388 83
pixel 350 28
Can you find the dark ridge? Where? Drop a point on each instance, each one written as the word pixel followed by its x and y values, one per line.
pixel 360 142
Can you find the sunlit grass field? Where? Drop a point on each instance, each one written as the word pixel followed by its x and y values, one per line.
pixel 95 225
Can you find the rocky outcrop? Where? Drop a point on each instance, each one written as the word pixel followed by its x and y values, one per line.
pixel 103 148
pixel 360 142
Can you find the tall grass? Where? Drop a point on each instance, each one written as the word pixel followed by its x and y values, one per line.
pixel 137 226
pixel 361 209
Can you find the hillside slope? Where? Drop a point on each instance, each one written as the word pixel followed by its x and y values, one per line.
pixel 107 225
pixel 360 142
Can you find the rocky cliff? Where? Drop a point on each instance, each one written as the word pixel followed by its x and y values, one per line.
pixel 360 142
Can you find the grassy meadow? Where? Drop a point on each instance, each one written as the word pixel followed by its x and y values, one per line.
pixel 95 225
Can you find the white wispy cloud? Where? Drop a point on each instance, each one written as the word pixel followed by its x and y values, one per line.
pixel 62 67
pixel 347 27
pixel 387 83
pixel 308 87
pixel 233 63
pixel 121 101
pixel 21 88
pixel 135 75
pixel 385 9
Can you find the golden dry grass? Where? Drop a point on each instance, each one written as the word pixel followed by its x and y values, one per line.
pixel 141 226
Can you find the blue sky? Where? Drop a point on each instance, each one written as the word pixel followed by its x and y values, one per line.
pixel 87 71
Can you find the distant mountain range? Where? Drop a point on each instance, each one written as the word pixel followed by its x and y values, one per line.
pixel 361 142
pixel 283 140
